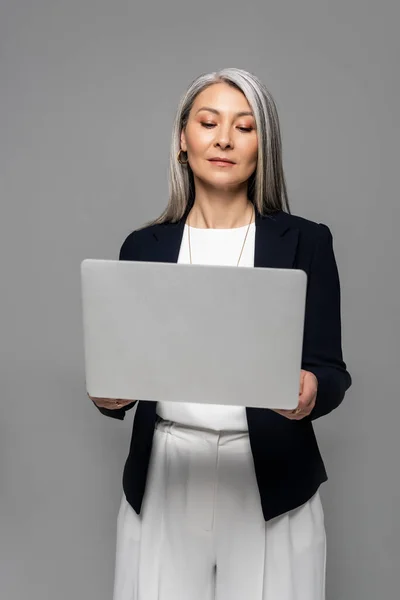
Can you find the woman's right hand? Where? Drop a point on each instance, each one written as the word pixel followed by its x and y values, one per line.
pixel 112 403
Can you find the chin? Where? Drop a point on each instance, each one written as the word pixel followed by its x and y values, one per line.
pixel 218 180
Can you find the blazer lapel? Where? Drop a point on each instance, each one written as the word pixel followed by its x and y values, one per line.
pixel 275 241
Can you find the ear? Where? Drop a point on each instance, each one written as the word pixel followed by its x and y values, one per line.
pixel 183 141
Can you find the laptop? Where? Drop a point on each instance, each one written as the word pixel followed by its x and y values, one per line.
pixel 208 334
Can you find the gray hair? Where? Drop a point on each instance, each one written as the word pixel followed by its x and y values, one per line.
pixel 266 186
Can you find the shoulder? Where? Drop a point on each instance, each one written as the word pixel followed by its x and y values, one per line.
pixel 315 238
pixel 313 234
pixel 137 239
pixel 307 227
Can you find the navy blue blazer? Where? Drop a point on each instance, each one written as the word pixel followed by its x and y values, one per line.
pixel 288 465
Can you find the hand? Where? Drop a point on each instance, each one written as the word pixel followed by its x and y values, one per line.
pixel 307 397
pixel 112 403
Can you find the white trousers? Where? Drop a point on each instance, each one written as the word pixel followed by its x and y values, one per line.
pixel 201 534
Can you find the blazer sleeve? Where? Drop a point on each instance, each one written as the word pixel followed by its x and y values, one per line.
pixel 129 251
pixel 322 340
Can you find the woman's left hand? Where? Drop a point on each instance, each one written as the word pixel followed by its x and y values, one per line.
pixel 307 397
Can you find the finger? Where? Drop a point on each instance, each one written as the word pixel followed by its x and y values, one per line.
pixel 310 382
pixel 281 411
pixel 301 387
pixel 308 397
pixel 306 407
pixel 107 400
pixel 289 414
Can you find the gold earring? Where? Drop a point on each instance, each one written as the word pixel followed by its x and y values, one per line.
pixel 179 158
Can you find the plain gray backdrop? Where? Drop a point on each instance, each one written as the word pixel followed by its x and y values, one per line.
pixel 88 96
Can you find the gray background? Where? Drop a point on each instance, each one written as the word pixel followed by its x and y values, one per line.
pixel 88 94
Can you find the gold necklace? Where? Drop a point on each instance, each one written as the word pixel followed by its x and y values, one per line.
pixel 245 237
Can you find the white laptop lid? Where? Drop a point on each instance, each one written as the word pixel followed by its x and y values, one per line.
pixel 193 333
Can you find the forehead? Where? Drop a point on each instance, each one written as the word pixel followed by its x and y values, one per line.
pixel 223 98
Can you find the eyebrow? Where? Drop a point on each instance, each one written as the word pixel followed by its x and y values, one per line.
pixel 214 110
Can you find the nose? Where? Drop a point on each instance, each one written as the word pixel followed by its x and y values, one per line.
pixel 223 139
pixel 223 144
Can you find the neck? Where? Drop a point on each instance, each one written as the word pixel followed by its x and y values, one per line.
pixel 219 214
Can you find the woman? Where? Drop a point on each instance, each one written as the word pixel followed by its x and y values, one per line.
pixel 221 501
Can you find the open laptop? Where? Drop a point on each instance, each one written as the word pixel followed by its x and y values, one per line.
pixel 193 333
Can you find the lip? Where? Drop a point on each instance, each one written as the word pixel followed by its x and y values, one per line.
pixel 221 161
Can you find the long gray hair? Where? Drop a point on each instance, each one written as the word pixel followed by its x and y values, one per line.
pixel 266 186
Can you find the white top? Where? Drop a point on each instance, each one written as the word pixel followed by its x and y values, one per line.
pixel 212 247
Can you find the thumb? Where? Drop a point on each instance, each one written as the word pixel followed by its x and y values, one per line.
pixel 302 375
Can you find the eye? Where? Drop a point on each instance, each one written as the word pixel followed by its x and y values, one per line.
pixel 208 125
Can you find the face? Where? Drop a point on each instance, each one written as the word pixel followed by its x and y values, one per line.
pixel 221 124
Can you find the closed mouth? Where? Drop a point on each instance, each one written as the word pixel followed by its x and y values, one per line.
pixel 229 162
